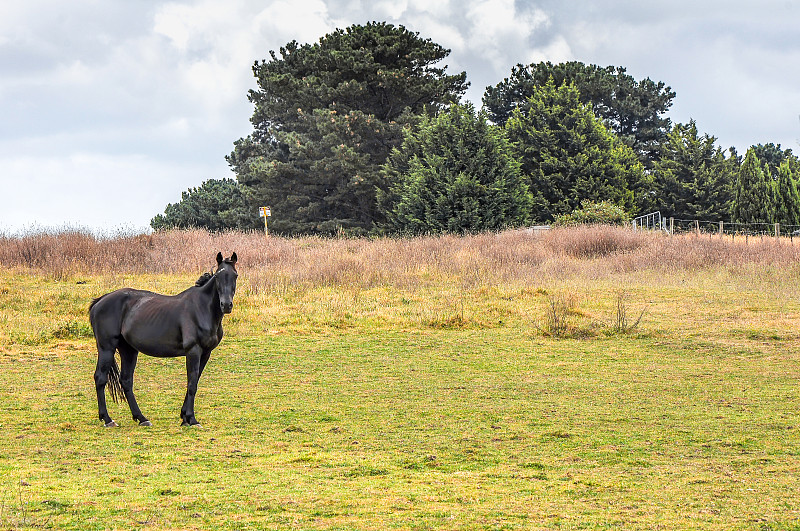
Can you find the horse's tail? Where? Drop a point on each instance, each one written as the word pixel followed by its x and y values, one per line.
pixel 114 385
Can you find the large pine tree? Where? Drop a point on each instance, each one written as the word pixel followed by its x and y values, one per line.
pixel 455 173
pixel 326 117
pixel 693 178
pixel 787 197
pixel 569 156
pixel 753 198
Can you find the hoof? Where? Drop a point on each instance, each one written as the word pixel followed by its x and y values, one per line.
pixel 195 425
pixel 145 423
pixel 111 424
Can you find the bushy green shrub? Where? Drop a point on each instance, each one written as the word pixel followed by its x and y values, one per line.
pixel 594 213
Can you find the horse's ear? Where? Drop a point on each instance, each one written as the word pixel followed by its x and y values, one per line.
pixel 219 259
pixel 233 258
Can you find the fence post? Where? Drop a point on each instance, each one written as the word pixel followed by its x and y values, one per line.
pixel 777 230
pixel 671 226
pixel 697 226
pixel 721 232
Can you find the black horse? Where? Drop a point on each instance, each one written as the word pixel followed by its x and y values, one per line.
pixel 132 321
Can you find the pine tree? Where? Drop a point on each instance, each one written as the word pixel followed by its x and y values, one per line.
pixel 455 173
pixel 753 200
pixel 569 156
pixel 772 156
pixel 787 197
pixel 326 117
pixel 693 178
pixel 632 110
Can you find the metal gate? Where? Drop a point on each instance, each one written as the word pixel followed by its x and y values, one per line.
pixel 651 221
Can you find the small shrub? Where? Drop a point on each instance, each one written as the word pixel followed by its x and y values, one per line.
pixel 596 241
pixel 622 323
pixel 594 213
pixel 73 330
pixel 556 317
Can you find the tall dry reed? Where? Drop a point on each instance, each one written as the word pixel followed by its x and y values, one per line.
pixel 273 262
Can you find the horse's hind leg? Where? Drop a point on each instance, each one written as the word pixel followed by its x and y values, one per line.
pixel 128 356
pixel 105 360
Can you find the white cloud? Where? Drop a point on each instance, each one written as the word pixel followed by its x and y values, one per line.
pixel 391 9
pixel 91 190
pixel 556 51
pixel 102 95
pixel 498 31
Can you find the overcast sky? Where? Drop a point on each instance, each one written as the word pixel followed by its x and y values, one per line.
pixel 109 109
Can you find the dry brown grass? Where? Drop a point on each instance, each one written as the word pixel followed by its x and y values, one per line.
pixel 447 281
pixel 486 259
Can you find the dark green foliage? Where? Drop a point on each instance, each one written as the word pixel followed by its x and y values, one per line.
pixel 591 212
pixel 772 156
pixel 454 173
pixel 326 117
pixel 632 109
pixel 217 204
pixel 787 197
pixel 693 178
pixel 754 197
pixel 569 156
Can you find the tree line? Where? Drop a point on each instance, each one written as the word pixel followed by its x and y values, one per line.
pixel 363 132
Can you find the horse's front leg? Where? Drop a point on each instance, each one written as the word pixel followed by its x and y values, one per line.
pixel 193 362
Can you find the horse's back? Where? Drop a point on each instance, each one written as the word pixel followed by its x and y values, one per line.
pixel 107 311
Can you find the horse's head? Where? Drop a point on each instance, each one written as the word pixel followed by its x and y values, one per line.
pixel 226 281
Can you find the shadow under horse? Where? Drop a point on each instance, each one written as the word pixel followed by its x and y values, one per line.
pixel 188 324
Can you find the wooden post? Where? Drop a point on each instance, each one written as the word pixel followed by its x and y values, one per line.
pixel 697 226
pixel 721 232
pixel 671 226
pixel 777 230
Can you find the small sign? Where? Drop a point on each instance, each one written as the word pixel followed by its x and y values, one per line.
pixel 264 212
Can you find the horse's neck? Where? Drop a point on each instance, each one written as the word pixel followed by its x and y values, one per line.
pixel 208 294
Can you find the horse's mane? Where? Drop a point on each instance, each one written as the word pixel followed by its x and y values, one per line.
pixel 203 280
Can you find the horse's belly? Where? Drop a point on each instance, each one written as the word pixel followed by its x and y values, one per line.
pixel 171 342
pixel 157 339
pixel 153 347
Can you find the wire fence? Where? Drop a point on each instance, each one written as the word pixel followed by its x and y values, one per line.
pixel 654 221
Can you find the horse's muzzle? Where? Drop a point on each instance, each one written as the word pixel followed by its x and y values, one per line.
pixel 226 307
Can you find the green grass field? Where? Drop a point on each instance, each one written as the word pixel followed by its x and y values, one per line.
pixel 445 399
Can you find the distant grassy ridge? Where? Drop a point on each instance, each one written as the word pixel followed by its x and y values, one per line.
pixel 585 378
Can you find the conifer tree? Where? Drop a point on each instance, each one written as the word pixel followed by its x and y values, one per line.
pixel 693 178
pixel 326 117
pixel 569 156
pixel 753 200
pixel 217 204
pixel 633 110
pixel 454 173
pixel 787 197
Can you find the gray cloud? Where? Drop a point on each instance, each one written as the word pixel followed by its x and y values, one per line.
pixel 141 100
